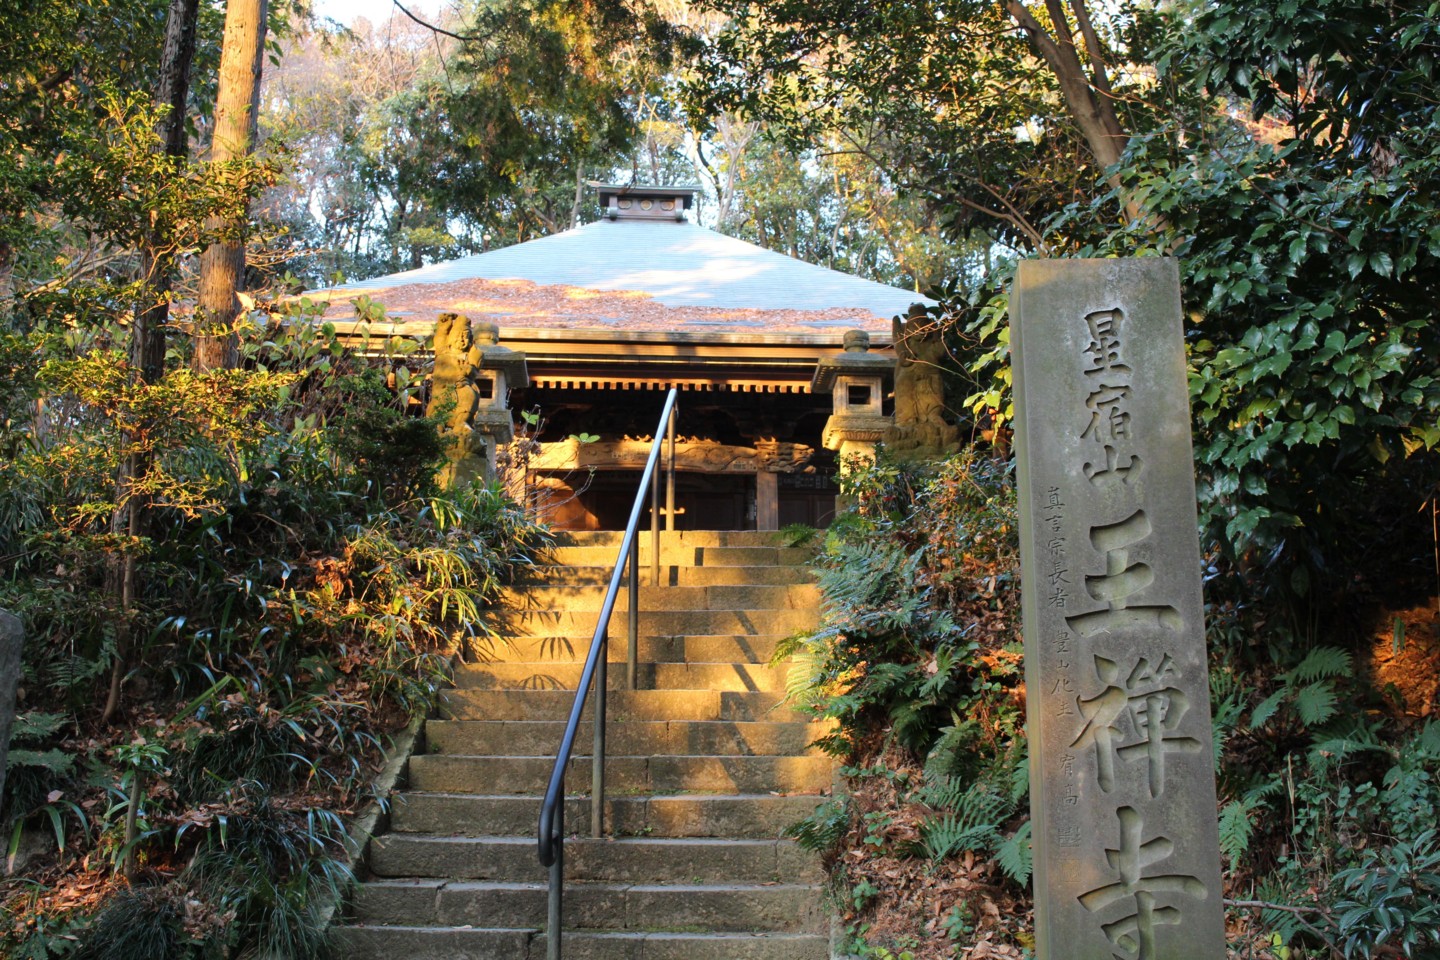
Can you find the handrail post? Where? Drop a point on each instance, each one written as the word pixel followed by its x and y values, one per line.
pixel 655 526
pixel 670 473
pixel 632 653
pixel 557 883
pixel 597 761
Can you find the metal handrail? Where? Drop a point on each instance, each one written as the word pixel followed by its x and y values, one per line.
pixel 552 811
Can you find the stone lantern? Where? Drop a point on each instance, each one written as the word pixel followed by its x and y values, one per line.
pixel 855 380
pixel 501 370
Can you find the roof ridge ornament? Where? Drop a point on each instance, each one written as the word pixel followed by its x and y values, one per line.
pixel 621 202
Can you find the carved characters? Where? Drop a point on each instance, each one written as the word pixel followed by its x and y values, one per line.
pixel 1154 708
pixel 1137 890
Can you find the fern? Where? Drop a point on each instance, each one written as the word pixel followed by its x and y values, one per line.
pixel 1020 778
pixel 35 727
pixel 822 831
pixel 1322 663
pixel 1316 703
pixel 1237 826
pixel 57 762
pixel 1429 738
pixel 940 792
pixel 1267 708
pixel 972 823
pixel 1015 857
pixel 798 535
pixel 947 834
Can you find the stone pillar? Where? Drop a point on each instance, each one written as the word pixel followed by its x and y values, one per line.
pixel 12 639
pixel 500 371
pixel 1122 781
pixel 855 381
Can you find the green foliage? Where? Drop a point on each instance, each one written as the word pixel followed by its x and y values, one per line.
pixel 1308 689
pixel 245 748
pixel 925 710
pixel 798 534
pixel 1350 806
pixel 472 145
pixel 1014 855
pixel 137 925
pixel 1392 898
pixel 889 644
pixel 277 874
pixel 302 588
pixel 1308 263
pixel 948 100
pixel 822 831
pixel 39 776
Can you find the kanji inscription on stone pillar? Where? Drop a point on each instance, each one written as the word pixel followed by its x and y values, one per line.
pixel 1122 782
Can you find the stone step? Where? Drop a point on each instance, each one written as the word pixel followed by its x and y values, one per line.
pixel 670 538
pixel 685 556
pixel 704 772
pixel 648 676
pixel 654 649
pixel 750 816
pixel 621 705
pixel 445 773
pixel 797 596
pixel 648 860
pixel 462 943
pixel 670 575
pixel 493 738
pixel 555 623
pixel 730 907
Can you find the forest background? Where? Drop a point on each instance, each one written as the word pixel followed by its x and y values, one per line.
pixel 222 534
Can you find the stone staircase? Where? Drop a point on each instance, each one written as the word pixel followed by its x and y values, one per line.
pixel 702 774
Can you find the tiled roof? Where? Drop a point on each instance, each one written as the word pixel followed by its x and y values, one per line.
pixel 650 275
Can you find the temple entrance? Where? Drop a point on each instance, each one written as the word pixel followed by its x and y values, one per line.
pixel 703 502
pixel 809 498
pixel 744 461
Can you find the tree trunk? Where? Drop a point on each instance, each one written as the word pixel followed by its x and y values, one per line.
pixel 152 314
pixel 1087 99
pixel 579 196
pixel 147 348
pixel 7 277
pixel 237 103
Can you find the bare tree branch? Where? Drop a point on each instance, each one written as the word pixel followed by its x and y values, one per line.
pixel 463 38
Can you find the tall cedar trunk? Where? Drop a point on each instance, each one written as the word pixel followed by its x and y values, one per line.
pixel 147 339
pixel 222 265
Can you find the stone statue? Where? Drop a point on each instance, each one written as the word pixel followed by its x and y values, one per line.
pixel 920 431
pixel 454 394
